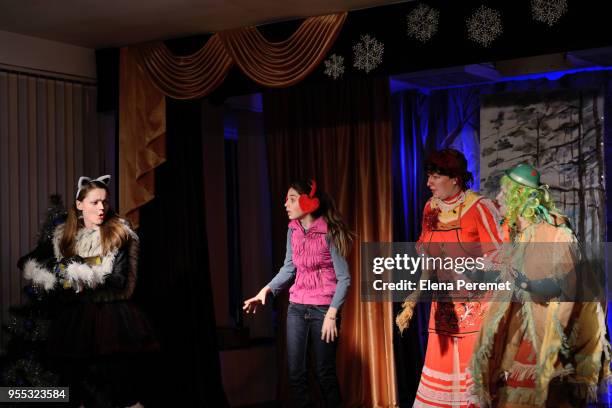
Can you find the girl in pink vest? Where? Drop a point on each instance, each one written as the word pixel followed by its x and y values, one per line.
pixel 318 242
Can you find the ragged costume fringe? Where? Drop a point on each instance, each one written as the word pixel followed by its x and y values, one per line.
pixel 590 365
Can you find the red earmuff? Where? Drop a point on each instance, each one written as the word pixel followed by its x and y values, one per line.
pixel 308 202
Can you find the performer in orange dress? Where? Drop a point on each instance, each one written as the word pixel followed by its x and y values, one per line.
pixel 454 214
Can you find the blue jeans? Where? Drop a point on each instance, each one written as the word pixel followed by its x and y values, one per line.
pixel 304 324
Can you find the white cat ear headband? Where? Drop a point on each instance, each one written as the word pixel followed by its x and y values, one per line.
pixel 84 181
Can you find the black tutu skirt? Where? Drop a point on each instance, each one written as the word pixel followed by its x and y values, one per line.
pixel 88 329
pixel 103 351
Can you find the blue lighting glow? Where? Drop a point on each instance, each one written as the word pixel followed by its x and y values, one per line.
pixel 554 75
pixel 399 85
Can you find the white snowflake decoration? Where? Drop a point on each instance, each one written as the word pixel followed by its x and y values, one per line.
pixel 548 11
pixel 368 53
pixel 422 22
pixel 484 26
pixel 334 66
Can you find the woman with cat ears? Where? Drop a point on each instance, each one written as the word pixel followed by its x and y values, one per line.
pixel 98 339
pixel 318 242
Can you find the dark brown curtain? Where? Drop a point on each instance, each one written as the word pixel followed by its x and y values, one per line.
pixel 174 283
pixel 340 134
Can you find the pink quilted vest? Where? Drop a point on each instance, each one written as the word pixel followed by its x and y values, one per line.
pixel 315 279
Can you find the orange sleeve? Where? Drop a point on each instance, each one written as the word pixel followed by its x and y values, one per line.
pixel 487 221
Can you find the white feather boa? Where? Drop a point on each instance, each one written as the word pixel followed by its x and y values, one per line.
pixel 39 275
pixel 82 275
pixel 79 275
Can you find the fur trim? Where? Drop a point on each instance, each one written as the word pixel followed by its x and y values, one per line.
pixel 88 244
pixel 522 372
pixel 82 275
pixel 128 227
pixel 39 275
pixel 519 396
pixel 57 237
pixel 479 364
pixel 79 275
pixel 528 321
pixel 105 268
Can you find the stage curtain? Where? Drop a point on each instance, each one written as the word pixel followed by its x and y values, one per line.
pixel 142 136
pixel 271 64
pixel 411 145
pixel 174 284
pixel 340 134
pixel 148 72
pixel 185 77
pixel 282 64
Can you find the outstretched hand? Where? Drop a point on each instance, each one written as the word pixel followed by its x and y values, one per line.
pixel 250 305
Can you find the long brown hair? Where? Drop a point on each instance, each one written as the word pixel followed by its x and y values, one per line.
pixel 113 233
pixel 338 231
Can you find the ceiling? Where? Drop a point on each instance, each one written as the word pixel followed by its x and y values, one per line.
pixel 551 66
pixel 99 24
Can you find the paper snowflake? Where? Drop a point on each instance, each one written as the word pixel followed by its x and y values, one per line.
pixel 368 53
pixel 422 22
pixel 548 11
pixel 334 66
pixel 484 26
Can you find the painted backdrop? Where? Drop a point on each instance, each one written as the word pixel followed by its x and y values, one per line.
pixel 560 133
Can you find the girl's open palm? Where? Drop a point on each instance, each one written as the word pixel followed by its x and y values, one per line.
pixel 250 305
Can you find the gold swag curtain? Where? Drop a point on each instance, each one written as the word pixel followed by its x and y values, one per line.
pixel 149 72
pixel 189 77
pixel 282 64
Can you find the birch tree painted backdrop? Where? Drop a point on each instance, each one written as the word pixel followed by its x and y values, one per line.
pixel 561 134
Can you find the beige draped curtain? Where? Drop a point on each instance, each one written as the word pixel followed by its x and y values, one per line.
pixel 142 136
pixel 279 65
pixel 150 72
pixel 188 77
